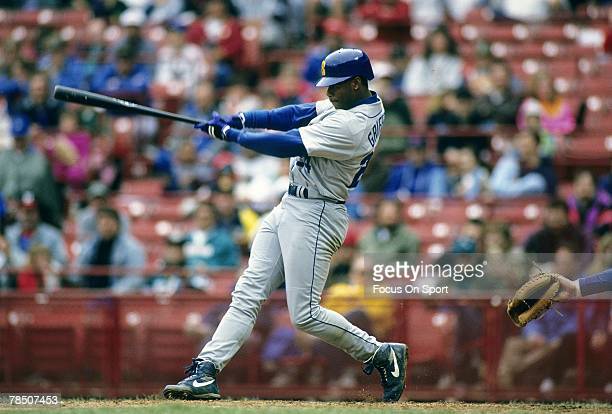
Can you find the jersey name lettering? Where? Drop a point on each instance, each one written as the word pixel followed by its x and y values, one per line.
pixel 375 132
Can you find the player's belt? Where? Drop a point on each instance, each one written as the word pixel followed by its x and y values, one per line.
pixel 302 192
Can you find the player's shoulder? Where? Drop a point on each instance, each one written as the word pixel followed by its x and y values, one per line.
pixel 352 122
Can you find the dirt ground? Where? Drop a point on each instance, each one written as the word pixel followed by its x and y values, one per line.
pixel 158 405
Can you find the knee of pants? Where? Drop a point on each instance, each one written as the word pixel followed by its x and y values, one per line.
pixel 246 304
pixel 304 318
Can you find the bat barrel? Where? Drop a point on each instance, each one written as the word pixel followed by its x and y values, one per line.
pixel 79 96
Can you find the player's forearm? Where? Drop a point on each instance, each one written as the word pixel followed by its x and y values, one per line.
pixel 282 145
pixel 281 119
pixel 597 283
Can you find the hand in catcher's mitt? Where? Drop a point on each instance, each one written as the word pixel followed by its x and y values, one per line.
pixel 533 298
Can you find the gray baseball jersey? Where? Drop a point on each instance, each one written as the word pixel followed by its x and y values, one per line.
pixel 297 239
pixel 339 144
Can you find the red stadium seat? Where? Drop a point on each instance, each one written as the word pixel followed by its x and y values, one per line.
pixel 143 187
pixel 593 149
pixel 419 107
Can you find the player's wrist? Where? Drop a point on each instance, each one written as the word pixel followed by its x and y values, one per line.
pixel 577 290
pixel 230 134
pixel 237 121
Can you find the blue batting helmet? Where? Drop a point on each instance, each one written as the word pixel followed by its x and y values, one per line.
pixel 344 64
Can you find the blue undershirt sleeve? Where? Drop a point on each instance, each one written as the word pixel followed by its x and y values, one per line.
pixel 282 145
pixel 281 119
pixel 597 283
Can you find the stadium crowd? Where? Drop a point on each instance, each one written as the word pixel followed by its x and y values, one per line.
pixel 62 166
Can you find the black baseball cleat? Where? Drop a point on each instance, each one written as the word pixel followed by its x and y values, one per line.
pixel 201 384
pixel 390 361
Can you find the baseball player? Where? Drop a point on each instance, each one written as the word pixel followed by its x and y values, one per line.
pixel 330 143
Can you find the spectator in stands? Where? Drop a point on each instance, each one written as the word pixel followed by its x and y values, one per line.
pixel 123 79
pixel 29 231
pixel 259 179
pixel 201 102
pixel 163 11
pixel 171 276
pixel 548 142
pixel 86 218
pixel 107 9
pixel 529 11
pixel 188 167
pixel 605 182
pixel 454 112
pixel 556 114
pixel 521 171
pixel 24 168
pixel 506 263
pixel 451 157
pixel 388 86
pixel 105 164
pixel 112 247
pixel 470 238
pixel 272 17
pixel 556 229
pixel 39 273
pixel 143 51
pixel 7 280
pixel 437 70
pixel 39 106
pixel 229 217
pixel 434 12
pixel 498 101
pixel 455 109
pixel 540 354
pixel 181 66
pixel 68 152
pixel 209 246
pixel 241 95
pixel 6 138
pixel 478 72
pixel 418 175
pixel 473 178
pixel 587 206
pixel 289 87
pixel 221 32
pixel 389 236
pixel 63 69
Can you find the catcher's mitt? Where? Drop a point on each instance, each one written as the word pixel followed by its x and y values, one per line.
pixel 533 298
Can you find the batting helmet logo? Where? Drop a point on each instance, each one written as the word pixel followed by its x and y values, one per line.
pixel 323 68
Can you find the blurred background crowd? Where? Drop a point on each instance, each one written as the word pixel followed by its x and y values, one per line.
pixel 497 141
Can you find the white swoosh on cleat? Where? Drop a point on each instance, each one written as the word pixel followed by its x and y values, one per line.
pixel 396 370
pixel 203 384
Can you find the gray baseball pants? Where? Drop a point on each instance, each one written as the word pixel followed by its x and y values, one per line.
pixel 294 244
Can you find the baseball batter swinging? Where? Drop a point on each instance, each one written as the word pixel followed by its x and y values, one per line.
pixel 330 143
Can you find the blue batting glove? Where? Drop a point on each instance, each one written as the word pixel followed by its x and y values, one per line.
pixel 215 127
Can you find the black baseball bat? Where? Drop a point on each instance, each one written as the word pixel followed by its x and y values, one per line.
pixel 64 93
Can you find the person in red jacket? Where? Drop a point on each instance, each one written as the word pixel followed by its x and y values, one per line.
pixel 220 31
pixel 392 18
pixel 38 274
